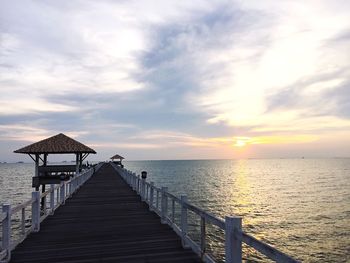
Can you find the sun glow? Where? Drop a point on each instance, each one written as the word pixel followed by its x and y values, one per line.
pixel 240 143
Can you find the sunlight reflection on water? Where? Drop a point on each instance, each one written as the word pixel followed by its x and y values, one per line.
pixel 301 206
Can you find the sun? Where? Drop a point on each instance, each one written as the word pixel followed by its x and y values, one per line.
pixel 240 143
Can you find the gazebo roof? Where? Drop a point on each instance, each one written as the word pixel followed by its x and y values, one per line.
pixel 117 156
pixel 58 144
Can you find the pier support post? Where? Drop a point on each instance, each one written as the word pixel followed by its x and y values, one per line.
pixel 233 244
pixel 36 211
pixel 6 231
pixel 37 170
pixel 164 205
pixel 76 164
pixel 151 197
pixel 184 223
pixel 52 198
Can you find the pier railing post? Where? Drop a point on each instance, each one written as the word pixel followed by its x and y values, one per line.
pixel 157 201
pixel 138 184
pixel 36 211
pixel 62 193
pixel 151 197
pixel 233 244
pixel 70 188
pixel 76 182
pixel 203 237
pixel 184 223
pixel 6 231
pixel 23 221
pixel 133 182
pixel 173 211
pixel 143 189
pixel 52 199
pixel 164 205
pixel 44 204
pixel 73 185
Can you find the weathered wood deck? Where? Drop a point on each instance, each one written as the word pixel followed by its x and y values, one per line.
pixel 105 221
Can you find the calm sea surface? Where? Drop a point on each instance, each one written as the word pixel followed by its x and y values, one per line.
pixel 301 206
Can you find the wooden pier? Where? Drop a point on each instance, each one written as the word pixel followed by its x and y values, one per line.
pixel 110 214
pixel 105 221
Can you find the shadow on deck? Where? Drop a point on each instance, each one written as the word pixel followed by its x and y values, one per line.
pixel 105 221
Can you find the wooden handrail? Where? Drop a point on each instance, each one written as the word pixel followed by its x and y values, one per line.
pixel 20 206
pixel 213 219
pixel 37 218
pixel 206 217
pixel 45 193
pixel 266 249
pixel 3 254
pixel 3 216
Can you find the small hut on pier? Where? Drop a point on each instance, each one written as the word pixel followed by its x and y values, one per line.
pixel 58 144
pixel 117 159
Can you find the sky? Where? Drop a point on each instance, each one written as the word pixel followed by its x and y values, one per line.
pixel 177 79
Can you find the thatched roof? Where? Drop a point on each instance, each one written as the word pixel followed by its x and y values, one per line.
pixel 59 143
pixel 117 156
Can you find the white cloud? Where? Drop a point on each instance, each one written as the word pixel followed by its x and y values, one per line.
pixel 33 105
pixel 291 44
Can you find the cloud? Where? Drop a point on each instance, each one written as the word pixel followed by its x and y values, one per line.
pixel 237 70
pixel 34 105
pixel 196 74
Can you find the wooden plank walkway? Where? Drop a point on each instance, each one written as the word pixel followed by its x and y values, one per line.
pixel 105 221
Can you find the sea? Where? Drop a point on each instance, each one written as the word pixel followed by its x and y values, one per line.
pixel 300 206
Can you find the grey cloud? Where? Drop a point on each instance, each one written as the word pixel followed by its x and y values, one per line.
pixel 341 98
pixel 342 37
pixel 172 63
pixel 334 102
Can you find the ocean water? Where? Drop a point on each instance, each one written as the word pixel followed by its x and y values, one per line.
pixel 300 206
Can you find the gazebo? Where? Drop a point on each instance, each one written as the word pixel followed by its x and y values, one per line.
pixel 117 159
pixel 58 144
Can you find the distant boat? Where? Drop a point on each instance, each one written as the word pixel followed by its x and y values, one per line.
pixel 20 162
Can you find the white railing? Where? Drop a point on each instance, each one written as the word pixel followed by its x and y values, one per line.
pixel 159 199
pixel 55 196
